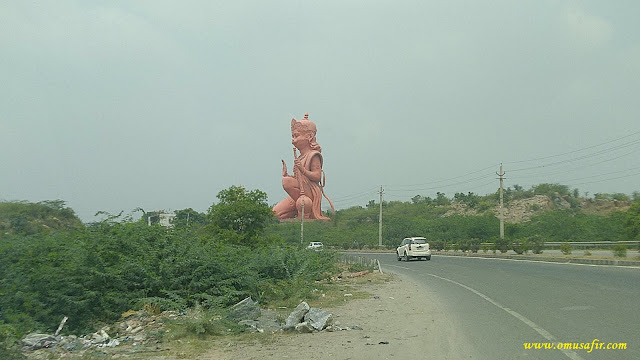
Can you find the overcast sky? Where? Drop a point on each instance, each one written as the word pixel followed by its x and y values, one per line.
pixel 114 105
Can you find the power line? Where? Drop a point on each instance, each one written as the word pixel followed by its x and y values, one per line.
pixel 355 196
pixel 586 166
pixel 441 186
pixel 635 142
pixel 613 178
pixel 445 180
pixel 574 151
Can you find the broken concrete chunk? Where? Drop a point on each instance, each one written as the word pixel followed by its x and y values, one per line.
pixel 246 309
pixel 318 318
pixel 38 341
pixel 100 337
pixel 296 316
pixel 304 327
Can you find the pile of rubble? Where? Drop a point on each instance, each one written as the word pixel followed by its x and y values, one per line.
pixel 303 319
pixel 134 329
pixel 137 328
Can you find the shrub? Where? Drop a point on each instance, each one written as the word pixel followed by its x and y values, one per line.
pixel 474 245
pixel 465 245
pixel 95 274
pixel 9 344
pixel 485 248
pixel 619 250
pixel 537 244
pixel 520 246
pixel 587 253
pixel 503 245
pixel 565 248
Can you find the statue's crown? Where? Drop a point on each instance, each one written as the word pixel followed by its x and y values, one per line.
pixel 303 125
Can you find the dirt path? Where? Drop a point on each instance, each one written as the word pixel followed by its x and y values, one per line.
pixel 399 321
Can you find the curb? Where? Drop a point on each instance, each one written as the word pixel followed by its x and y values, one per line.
pixel 612 262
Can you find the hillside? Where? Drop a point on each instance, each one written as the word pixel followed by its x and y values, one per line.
pixel 25 218
pixel 522 210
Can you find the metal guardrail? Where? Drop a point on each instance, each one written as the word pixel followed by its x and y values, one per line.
pixel 587 244
pixel 594 244
pixel 355 259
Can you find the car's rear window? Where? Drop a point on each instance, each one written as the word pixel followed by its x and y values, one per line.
pixel 419 241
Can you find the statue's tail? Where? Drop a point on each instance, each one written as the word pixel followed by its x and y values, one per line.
pixel 325 195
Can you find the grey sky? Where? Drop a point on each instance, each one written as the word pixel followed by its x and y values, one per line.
pixel 113 105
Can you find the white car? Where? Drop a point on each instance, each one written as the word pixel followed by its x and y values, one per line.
pixel 413 247
pixel 315 245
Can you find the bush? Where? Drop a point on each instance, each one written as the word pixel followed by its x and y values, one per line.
pixel 619 250
pixel 437 245
pixel 465 245
pixel 503 245
pixel 474 245
pixel 95 274
pixel 520 246
pixel 9 343
pixel 565 248
pixel 537 244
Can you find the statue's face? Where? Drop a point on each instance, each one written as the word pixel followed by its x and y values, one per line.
pixel 300 138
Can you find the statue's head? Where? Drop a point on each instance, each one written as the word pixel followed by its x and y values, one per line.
pixel 306 126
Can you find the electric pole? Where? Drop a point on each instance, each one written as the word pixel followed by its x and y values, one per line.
pixel 302 225
pixel 501 174
pixel 380 220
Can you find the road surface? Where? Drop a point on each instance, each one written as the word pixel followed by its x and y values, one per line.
pixel 501 304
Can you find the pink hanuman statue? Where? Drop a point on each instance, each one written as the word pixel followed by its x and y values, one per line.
pixel 307 182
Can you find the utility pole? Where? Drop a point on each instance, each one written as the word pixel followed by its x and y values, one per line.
pixel 501 174
pixel 380 220
pixel 302 225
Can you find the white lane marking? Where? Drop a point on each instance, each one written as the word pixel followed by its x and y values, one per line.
pixel 540 261
pixel 547 335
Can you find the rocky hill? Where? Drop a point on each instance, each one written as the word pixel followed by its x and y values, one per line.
pixel 518 211
pixel 25 218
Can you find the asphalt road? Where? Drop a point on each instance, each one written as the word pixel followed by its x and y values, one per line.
pixel 501 304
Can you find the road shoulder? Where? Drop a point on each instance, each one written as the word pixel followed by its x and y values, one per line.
pixel 399 321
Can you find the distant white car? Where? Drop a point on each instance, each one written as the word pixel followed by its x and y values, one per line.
pixel 315 245
pixel 413 247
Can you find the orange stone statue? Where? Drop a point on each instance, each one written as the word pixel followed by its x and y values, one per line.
pixel 306 185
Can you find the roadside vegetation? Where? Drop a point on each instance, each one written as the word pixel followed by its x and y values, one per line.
pixel 53 265
pixel 95 273
pixel 465 221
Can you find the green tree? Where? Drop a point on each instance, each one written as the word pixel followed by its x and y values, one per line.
pixel 245 213
pixel 188 217
pixel 551 189
pixel 441 199
pixel 632 221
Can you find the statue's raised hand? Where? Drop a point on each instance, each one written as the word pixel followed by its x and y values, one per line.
pixel 284 169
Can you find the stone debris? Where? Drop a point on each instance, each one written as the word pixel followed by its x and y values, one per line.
pixel 304 327
pixel 100 337
pixel 318 319
pixel 246 309
pixel 35 341
pixel 305 319
pixel 296 316
pixel 136 328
